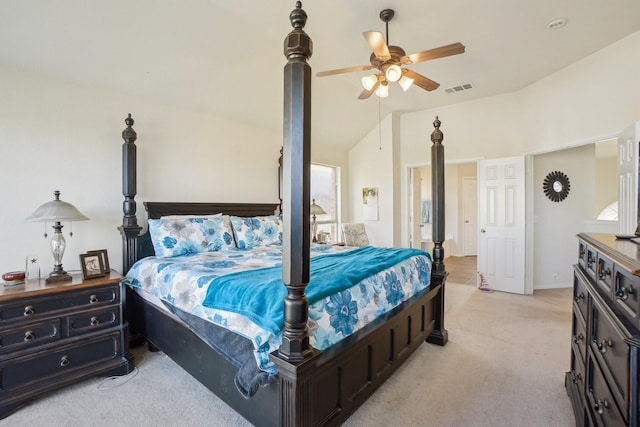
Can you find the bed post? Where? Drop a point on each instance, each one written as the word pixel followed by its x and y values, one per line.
pixel 439 274
pixel 129 228
pixel 295 356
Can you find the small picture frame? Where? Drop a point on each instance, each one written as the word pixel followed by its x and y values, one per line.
pixel 105 258
pixel 92 265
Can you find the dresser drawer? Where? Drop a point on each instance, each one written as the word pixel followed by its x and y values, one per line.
pixel 30 307
pixel 626 292
pixel 582 254
pixel 604 274
pixel 578 371
pixel 579 336
pixel 611 351
pixel 580 293
pixel 94 320
pixel 591 263
pixel 42 366
pixel 29 335
pixel 603 407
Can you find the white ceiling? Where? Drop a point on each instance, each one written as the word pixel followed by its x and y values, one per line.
pixel 224 57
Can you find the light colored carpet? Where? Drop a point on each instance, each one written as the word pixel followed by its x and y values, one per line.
pixel 504 365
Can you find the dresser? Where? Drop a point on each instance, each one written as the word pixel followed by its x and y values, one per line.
pixel 605 337
pixel 52 335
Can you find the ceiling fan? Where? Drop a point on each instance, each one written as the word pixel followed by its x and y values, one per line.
pixel 388 60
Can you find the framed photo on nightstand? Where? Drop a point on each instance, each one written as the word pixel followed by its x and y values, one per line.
pixel 105 258
pixel 92 265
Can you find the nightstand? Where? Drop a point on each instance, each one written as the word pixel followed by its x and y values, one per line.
pixel 52 335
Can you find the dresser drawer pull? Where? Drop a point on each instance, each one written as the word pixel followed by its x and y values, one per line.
pixel 579 297
pixel 64 361
pixel 29 311
pixel 601 405
pixel 93 299
pixel 604 273
pixel 623 293
pixel 576 378
pixel 94 321
pixel 578 338
pixel 604 345
pixel 29 335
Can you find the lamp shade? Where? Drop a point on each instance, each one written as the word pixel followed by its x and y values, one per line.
pixel 369 81
pixel 57 210
pixel 316 209
pixel 383 90
pixel 393 73
pixel 405 82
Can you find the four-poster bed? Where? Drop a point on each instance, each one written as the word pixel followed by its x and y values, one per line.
pixel 310 386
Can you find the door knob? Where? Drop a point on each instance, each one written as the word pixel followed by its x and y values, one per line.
pixel 482 230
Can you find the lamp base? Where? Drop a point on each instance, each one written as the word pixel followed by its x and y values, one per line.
pixel 57 276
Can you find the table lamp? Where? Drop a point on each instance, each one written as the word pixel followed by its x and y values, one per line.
pixel 315 210
pixel 57 211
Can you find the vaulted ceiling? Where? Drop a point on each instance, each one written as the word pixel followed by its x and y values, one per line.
pixel 225 57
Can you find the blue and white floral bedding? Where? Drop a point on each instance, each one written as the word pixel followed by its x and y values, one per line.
pixel 179 281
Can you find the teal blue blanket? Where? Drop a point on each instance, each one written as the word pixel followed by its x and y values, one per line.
pixel 259 294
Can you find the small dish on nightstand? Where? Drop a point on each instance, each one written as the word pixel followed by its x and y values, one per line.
pixel 13 278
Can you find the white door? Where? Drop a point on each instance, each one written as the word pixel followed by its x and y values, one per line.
pixel 628 179
pixel 501 223
pixel 469 216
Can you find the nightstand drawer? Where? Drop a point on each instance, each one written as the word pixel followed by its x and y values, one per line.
pixel 93 320
pixel 42 366
pixel 30 307
pixel 29 335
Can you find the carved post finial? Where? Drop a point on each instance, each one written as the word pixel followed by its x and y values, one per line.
pixel 436 135
pixel 298 44
pixel 128 134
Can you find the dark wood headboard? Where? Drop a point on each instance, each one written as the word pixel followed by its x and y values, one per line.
pixel 156 210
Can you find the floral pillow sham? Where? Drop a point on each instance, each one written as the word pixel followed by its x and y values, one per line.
pixel 257 231
pixel 181 235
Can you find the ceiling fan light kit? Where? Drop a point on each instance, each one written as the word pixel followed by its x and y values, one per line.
pixel 389 59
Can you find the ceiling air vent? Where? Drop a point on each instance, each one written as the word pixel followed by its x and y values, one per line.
pixel 459 88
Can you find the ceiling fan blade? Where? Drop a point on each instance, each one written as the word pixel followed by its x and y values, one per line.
pixel 377 45
pixel 366 94
pixel 344 70
pixel 438 52
pixel 421 81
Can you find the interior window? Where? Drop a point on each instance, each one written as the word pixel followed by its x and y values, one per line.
pixel 325 192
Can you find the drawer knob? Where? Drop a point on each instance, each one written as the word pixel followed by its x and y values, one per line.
pixel 93 299
pixel 578 338
pixel 623 293
pixel 601 405
pixel 29 335
pixel 604 345
pixel 94 321
pixel 64 361
pixel 579 297
pixel 576 378
pixel 29 311
pixel 604 272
